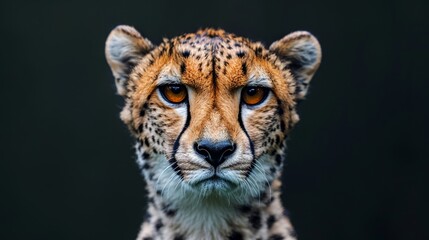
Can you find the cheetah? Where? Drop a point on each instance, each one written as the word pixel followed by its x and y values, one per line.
pixel 210 112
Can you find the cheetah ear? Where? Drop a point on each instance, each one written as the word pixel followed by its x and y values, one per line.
pixel 301 53
pixel 125 47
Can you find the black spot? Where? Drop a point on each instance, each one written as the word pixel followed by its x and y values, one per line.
pixel 151 61
pixel 280 110
pixel 278 159
pixel 244 68
pixel 228 56
pixel 235 236
pixel 245 209
pixel 185 53
pixel 263 194
pixel 295 64
pixel 240 54
pixel 158 224
pixel 237 45
pixel 255 220
pixel 276 237
pixel 169 212
pixel 258 51
pixel 282 144
pixel 144 51
pixel 182 68
pixel 282 126
pixel 151 175
pixel 146 141
pixel 305 84
pixel 142 113
pixel 145 155
pixel 147 238
pixel 170 49
pixel 272 170
pixel 178 237
pixel 270 221
pixel 145 166
pixel 140 128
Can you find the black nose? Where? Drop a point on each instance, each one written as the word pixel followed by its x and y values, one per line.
pixel 214 152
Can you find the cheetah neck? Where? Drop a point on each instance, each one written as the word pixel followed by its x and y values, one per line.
pixel 213 217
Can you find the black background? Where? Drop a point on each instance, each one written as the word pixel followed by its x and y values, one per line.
pixel 357 163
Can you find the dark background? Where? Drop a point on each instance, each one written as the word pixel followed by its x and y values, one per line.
pixel 357 165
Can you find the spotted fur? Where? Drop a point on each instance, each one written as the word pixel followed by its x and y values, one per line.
pixel 188 197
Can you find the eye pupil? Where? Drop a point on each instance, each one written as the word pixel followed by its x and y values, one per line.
pixel 252 91
pixel 176 89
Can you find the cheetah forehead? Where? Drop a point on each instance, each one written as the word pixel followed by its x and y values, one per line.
pixel 212 57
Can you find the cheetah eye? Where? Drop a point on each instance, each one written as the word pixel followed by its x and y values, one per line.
pixel 173 93
pixel 254 95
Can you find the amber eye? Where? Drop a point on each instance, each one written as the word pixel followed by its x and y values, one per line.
pixel 254 95
pixel 174 93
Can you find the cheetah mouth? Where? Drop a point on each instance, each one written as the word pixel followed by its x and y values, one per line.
pixel 216 182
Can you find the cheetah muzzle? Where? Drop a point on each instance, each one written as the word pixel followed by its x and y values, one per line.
pixel 210 112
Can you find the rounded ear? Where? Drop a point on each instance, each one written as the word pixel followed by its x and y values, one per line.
pixel 125 47
pixel 301 53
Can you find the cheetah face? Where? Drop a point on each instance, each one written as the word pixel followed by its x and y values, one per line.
pixel 211 110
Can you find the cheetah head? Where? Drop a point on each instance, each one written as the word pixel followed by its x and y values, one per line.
pixel 210 110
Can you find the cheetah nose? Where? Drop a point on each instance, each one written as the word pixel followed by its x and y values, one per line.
pixel 214 153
